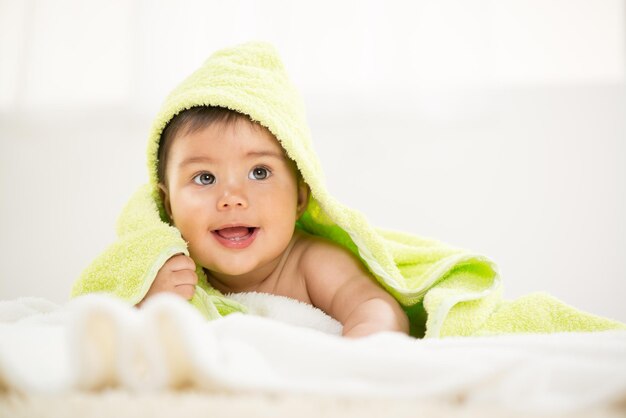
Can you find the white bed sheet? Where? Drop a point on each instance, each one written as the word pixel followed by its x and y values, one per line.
pixel 97 342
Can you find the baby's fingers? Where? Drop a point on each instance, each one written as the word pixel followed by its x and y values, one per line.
pixel 180 262
pixel 185 290
pixel 184 282
pixel 183 277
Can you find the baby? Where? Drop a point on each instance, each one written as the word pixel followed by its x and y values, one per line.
pixel 228 186
pixel 236 201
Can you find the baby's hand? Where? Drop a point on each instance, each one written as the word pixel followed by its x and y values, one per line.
pixel 177 275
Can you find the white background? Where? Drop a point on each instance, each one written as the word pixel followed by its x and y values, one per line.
pixel 498 126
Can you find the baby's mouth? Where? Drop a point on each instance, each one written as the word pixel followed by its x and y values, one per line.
pixel 235 233
pixel 236 237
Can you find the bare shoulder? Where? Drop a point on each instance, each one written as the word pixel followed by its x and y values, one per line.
pixel 320 256
pixel 333 274
pixel 338 282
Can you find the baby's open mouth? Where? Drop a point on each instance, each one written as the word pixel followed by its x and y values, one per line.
pixel 236 233
pixel 236 237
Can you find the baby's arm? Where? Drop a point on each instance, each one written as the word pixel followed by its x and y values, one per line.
pixel 177 275
pixel 340 285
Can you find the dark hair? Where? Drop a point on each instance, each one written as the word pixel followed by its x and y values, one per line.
pixel 192 120
pixel 189 121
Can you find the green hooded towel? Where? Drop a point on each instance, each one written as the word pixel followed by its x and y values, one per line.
pixel 445 291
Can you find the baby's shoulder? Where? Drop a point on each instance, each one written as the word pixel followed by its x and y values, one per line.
pixel 321 255
pixel 315 245
pixel 326 267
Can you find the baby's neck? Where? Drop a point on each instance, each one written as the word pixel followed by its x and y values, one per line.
pixel 249 282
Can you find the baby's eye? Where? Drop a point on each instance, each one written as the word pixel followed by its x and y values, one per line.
pixel 259 173
pixel 204 179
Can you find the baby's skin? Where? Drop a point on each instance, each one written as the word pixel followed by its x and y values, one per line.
pixel 235 197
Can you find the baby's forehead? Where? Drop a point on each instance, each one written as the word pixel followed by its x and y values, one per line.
pixel 219 140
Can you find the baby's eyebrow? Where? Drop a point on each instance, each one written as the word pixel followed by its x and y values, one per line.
pixel 206 159
pixel 192 160
pixel 265 154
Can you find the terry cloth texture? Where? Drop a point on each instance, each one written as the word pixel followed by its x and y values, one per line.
pixel 445 290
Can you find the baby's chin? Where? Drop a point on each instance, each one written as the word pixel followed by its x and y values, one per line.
pixel 230 274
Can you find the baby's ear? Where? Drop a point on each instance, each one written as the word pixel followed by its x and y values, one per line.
pixel 303 197
pixel 165 198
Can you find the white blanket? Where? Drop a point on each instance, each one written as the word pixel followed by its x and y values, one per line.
pixel 98 342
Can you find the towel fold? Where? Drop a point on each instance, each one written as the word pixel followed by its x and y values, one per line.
pixel 445 290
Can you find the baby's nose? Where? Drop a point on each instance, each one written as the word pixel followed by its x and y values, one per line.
pixel 232 198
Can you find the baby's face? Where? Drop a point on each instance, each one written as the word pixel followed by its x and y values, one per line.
pixel 234 197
